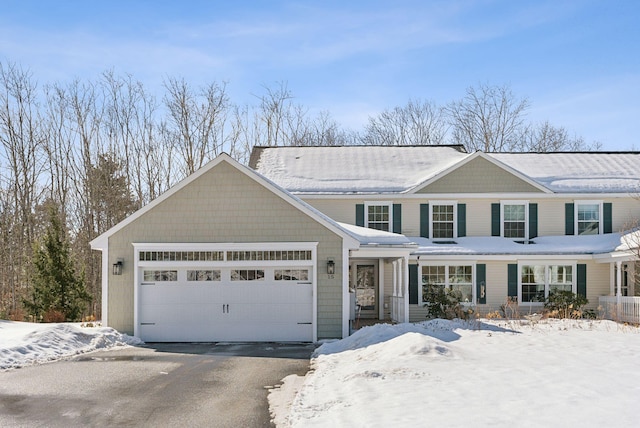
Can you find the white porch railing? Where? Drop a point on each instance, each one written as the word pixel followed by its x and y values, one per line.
pixel 397 309
pixel 628 310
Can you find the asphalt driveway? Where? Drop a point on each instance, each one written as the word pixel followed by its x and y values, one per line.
pixel 159 385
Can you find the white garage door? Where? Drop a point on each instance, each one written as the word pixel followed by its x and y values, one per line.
pixel 244 296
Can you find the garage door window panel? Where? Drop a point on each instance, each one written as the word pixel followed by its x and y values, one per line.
pixel 291 275
pixel 238 256
pixel 203 275
pixel 181 256
pixel 247 274
pixel 161 275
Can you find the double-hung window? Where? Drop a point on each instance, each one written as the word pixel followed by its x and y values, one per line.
pixel 379 216
pixel 443 220
pixel 588 217
pixel 538 281
pixel 457 278
pixel 515 219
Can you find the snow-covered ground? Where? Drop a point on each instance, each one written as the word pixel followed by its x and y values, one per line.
pixel 23 344
pixel 553 373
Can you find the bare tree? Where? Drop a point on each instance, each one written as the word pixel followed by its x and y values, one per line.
pixel 22 139
pixel 196 120
pixel 416 123
pixel 325 131
pixel 58 147
pixel 488 118
pixel 275 108
pixel 545 137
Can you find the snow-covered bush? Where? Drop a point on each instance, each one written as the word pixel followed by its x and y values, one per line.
pixel 565 304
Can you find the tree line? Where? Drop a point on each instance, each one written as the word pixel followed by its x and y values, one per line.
pixel 93 152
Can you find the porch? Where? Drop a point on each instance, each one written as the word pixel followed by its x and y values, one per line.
pixel 623 303
pixel 621 308
pixel 378 290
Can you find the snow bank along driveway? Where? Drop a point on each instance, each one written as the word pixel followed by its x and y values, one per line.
pixel 23 344
pixel 554 373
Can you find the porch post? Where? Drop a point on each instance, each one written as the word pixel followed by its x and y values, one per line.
pixel 619 282
pixel 381 289
pixel 405 287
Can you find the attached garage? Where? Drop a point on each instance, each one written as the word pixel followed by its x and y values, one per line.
pixel 209 293
pixel 226 255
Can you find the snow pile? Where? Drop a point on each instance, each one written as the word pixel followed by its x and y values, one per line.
pixel 23 344
pixel 481 373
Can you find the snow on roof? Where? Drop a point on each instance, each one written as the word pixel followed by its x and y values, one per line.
pixel 544 245
pixel 630 240
pixel 395 169
pixel 580 172
pixel 354 169
pixel 372 237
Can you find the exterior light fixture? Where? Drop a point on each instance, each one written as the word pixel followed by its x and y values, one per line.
pixel 331 267
pixel 117 267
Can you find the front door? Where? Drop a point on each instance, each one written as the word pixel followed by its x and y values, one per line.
pixel 365 281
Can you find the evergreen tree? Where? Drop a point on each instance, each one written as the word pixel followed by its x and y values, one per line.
pixel 58 293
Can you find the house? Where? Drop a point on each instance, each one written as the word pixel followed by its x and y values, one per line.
pixel 227 255
pixel 307 239
pixel 492 225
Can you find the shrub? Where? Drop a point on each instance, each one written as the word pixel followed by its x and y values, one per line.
pixel 509 308
pixel 445 304
pixel 53 315
pixel 565 304
pixel 494 315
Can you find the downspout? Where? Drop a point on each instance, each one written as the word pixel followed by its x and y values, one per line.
pixel 105 286
pixel 346 310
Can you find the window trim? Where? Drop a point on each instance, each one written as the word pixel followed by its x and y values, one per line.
pixel 547 264
pixel 577 203
pixel 526 218
pixel 388 204
pixel 446 269
pixel 455 218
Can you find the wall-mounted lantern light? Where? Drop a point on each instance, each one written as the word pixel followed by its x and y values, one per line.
pixel 331 267
pixel 117 267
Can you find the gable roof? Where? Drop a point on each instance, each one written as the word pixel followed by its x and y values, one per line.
pixel 578 172
pixel 353 169
pixel 509 178
pixel 101 242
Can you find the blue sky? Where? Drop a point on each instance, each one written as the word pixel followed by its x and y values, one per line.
pixel 578 61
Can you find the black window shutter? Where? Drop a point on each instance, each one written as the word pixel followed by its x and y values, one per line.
pixel 607 211
pixel 424 220
pixel 569 219
pixel 512 280
pixel 581 278
pixel 462 220
pixel 413 284
pixel 481 283
pixel 495 219
pixel 533 220
pixel 360 215
pixel 397 218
